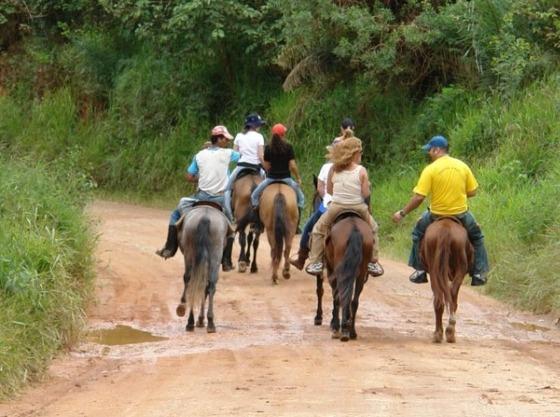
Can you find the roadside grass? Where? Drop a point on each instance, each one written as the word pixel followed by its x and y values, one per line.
pixel 46 272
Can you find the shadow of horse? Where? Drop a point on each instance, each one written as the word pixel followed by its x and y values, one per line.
pixel 447 255
pixel 347 254
pixel 202 239
pixel 278 213
pixel 244 185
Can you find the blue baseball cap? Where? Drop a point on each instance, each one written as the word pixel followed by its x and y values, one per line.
pixel 254 120
pixel 436 142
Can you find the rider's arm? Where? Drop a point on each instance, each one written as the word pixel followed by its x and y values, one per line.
pixel 294 170
pixel 192 171
pixel 414 202
pixel 329 181
pixel 321 187
pixel 471 193
pixel 260 152
pixel 365 183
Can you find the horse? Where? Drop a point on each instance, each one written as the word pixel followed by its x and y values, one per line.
pixel 203 235
pixel 447 254
pixel 278 212
pixel 244 185
pixel 347 254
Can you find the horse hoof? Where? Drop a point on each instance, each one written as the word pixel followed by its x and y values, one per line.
pixel 286 275
pixel 438 337
pixel 450 335
pixel 241 267
pixel 180 310
pixel 211 329
pixel 254 270
pixel 335 334
pixel 227 268
pixel 189 328
pixel 353 336
pixel 200 323
pixel 345 337
pixel 318 321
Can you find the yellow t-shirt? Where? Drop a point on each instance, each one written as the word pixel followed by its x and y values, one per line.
pixel 448 180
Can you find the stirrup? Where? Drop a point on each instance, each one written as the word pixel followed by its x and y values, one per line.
pixel 418 277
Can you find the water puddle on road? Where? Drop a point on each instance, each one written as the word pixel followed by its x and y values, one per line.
pixel 121 335
pixel 529 327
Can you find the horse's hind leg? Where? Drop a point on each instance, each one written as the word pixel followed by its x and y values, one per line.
pixel 438 333
pixel 450 329
pixel 200 321
pixel 211 327
pixel 190 322
pixel 182 307
pixel 319 316
pixel 355 304
pixel 254 267
pixel 242 261
pixel 287 250
pixel 335 321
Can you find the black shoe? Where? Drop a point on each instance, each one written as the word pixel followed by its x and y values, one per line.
pixel 171 245
pixel 418 277
pixel 478 280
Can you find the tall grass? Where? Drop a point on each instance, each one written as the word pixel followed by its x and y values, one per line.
pixel 45 266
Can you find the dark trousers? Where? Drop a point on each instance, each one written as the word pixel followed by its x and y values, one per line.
pixel 480 264
pixel 308 227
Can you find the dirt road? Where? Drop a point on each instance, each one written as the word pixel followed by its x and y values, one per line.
pixel 268 359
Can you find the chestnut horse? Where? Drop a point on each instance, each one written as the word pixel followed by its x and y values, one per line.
pixel 347 254
pixel 244 185
pixel 278 212
pixel 447 255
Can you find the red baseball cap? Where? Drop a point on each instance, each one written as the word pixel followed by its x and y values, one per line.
pixel 279 129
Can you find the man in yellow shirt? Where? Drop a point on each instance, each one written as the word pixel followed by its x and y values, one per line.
pixel 449 182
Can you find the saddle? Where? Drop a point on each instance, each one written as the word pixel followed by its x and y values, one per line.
pixel 209 204
pixel 248 170
pixel 344 215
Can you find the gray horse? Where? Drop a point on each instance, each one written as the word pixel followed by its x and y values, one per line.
pixel 203 236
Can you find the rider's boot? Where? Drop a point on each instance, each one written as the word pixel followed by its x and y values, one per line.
pixel 171 245
pixel 227 264
pixel 299 261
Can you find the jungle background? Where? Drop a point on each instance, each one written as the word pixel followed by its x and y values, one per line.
pixel 110 99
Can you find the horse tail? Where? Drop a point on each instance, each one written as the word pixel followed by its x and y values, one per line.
pixel 280 229
pixel 196 290
pixel 440 270
pixel 347 270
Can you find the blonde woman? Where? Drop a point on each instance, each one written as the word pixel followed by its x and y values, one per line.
pixel 349 186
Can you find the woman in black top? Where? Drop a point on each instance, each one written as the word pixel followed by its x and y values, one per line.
pixel 279 163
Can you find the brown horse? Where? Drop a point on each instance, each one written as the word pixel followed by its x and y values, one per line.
pixel 246 182
pixel 347 254
pixel 447 255
pixel 278 213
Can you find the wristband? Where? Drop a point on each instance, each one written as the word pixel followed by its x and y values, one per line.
pixel 401 213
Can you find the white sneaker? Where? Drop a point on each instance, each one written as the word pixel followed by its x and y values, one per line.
pixel 314 268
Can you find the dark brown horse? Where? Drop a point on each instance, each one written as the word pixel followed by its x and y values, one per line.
pixel 241 203
pixel 278 213
pixel 447 255
pixel 347 254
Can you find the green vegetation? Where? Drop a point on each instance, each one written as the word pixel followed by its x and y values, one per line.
pixel 45 266
pixel 124 92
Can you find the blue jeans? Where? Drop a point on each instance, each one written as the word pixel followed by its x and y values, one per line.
pixel 256 195
pixel 308 227
pixel 186 203
pixel 480 265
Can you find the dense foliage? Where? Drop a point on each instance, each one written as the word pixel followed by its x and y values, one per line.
pixel 124 91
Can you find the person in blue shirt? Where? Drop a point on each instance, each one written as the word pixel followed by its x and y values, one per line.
pixel 209 168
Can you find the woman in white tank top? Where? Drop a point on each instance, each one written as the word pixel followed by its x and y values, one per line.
pixel 349 186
